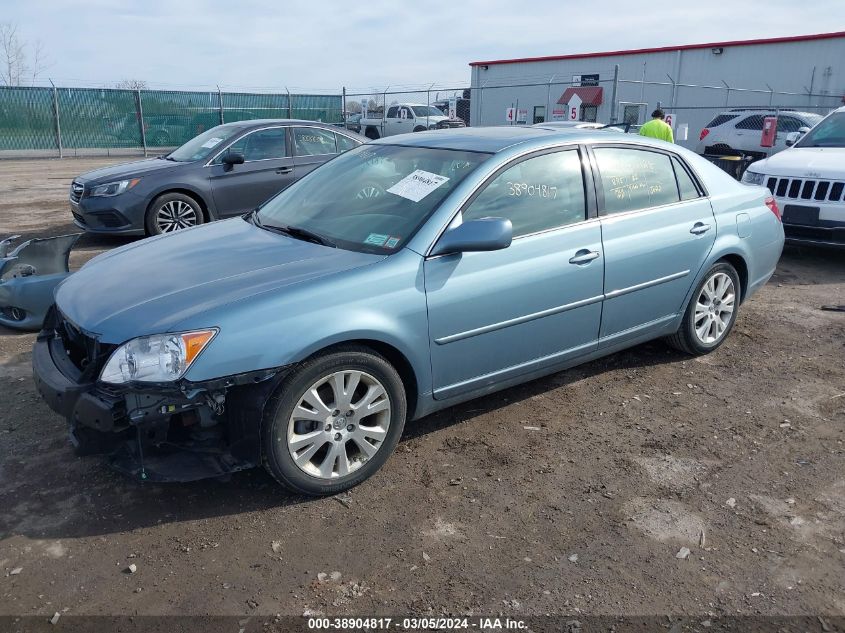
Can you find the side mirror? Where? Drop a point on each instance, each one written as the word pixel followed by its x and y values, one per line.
pixel 792 138
pixel 486 234
pixel 233 158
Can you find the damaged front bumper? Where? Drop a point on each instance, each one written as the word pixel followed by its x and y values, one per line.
pixel 29 274
pixel 170 432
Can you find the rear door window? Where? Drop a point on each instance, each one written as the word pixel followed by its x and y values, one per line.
pixel 313 141
pixel 260 145
pixel 754 122
pixel 634 179
pixel 686 185
pixel 722 118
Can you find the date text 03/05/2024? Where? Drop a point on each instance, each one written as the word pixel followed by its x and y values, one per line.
pixel 416 624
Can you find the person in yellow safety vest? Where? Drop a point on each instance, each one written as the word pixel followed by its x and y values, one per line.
pixel 658 128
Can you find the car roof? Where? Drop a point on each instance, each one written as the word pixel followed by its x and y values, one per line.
pixel 753 111
pixel 263 122
pixel 474 139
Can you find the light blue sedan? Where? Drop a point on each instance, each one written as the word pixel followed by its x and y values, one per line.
pixel 402 277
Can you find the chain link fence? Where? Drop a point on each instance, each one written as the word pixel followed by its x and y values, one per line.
pixel 41 121
pixel 603 96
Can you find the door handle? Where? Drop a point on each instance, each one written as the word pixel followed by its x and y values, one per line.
pixel 284 170
pixel 699 227
pixel 584 256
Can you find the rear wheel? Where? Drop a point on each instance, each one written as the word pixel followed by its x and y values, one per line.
pixel 371 133
pixel 711 312
pixel 172 212
pixel 334 422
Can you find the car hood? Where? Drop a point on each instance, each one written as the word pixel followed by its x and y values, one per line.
pixel 128 170
pixel 808 162
pixel 153 285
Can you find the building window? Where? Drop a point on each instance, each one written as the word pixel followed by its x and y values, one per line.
pixel 589 113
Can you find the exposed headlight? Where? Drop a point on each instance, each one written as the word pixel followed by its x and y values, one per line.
pixel 752 178
pixel 113 188
pixel 157 358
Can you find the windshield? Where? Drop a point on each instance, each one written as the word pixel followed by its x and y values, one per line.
pixel 373 198
pixel 201 146
pixel 828 133
pixel 426 111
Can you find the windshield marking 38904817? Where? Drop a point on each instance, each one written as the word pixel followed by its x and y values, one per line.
pixel 370 199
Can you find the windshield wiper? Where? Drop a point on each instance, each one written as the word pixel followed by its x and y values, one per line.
pixel 293 231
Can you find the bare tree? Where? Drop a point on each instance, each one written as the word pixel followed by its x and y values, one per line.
pixel 132 84
pixel 38 59
pixel 13 53
pixel 16 66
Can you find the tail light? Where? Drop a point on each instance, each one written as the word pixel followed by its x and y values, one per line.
pixel 773 207
pixel 704 133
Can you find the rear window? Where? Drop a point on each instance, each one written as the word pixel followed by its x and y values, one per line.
pixel 754 122
pixel 722 118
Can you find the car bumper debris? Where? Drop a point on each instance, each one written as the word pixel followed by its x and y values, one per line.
pixel 29 273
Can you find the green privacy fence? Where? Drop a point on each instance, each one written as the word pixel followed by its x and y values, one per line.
pixel 63 119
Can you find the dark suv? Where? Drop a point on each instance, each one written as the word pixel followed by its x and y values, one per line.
pixel 225 171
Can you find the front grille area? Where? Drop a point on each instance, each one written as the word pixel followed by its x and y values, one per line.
pixel 86 353
pixel 76 191
pixel 78 217
pixel 806 189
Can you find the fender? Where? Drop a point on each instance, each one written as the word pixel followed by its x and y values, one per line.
pixel 206 201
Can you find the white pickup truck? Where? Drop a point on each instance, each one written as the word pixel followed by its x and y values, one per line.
pixel 808 182
pixel 406 117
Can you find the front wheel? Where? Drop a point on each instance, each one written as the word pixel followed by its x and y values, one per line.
pixel 172 212
pixel 334 422
pixel 711 312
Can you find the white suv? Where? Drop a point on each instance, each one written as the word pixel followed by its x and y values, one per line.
pixel 808 181
pixel 740 131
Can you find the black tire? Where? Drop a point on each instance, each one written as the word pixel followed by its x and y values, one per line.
pixel 371 133
pixel 280 406
pixel 686 339
pixel 420 128
pixel 176 200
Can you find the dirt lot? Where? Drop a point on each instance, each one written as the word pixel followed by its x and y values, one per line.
pixel 571 494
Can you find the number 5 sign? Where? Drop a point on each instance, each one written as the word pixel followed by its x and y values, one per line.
pixel 573 108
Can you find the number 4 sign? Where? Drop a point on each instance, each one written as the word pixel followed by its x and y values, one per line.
pixel 510 113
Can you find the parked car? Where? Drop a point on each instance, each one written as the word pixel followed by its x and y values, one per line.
pixel 225 171
pixel 739 131
pixel 463 108
pixel 353 123
pixel 304 335
pixel 808 181
pixel 406 117
pixel 161 130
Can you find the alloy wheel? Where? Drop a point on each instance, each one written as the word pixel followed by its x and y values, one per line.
pixel 174 215
pixel 714 308
pixel 339 424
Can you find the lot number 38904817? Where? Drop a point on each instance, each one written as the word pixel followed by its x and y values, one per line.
pixel 524 189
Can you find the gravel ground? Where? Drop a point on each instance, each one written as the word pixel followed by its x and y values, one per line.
pixel 571 494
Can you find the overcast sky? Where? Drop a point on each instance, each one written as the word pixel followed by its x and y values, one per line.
pixel 370 43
